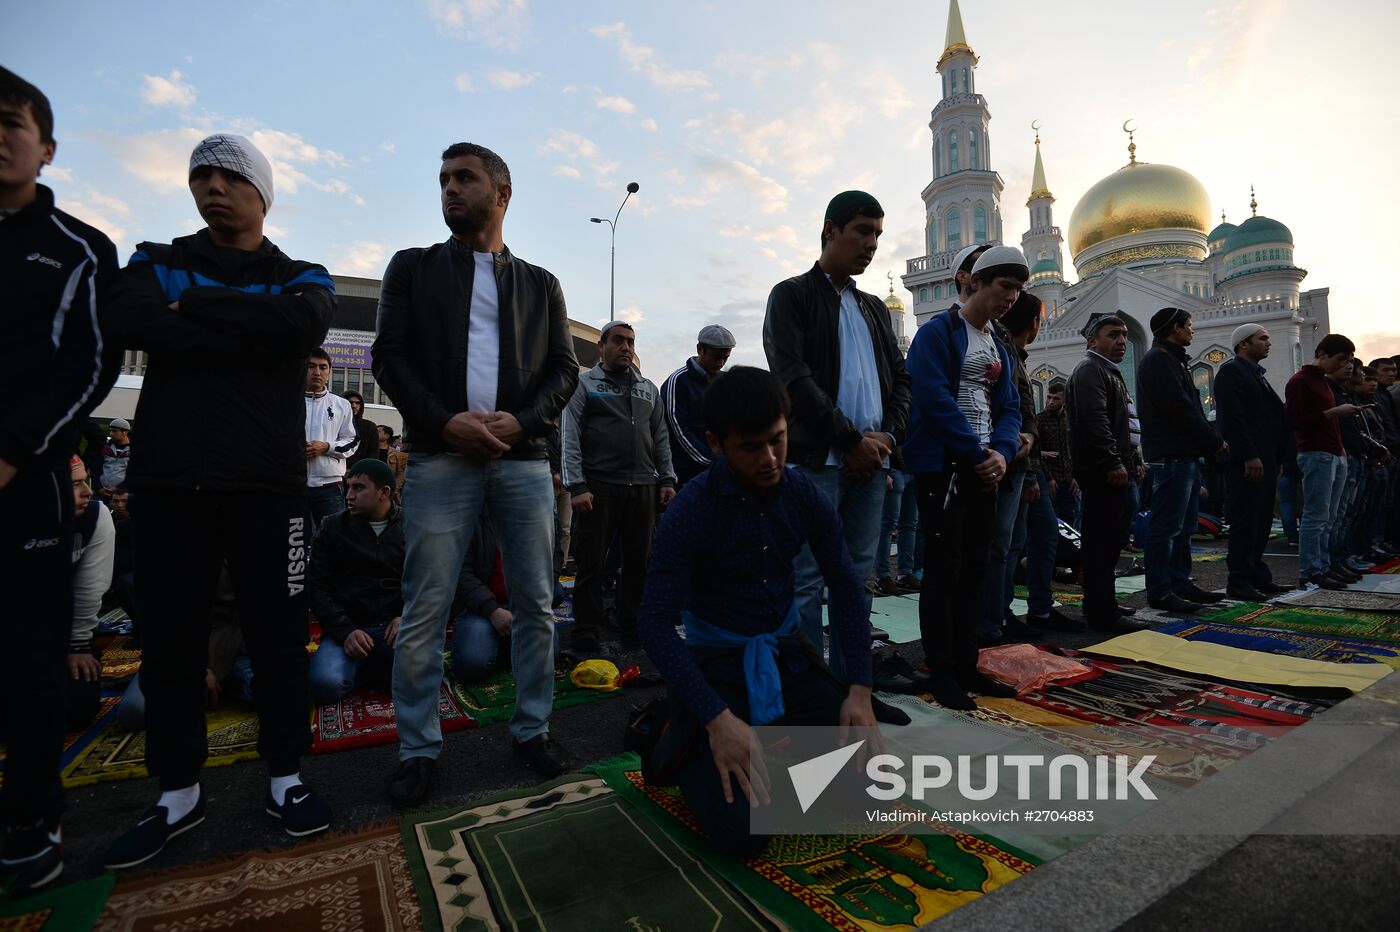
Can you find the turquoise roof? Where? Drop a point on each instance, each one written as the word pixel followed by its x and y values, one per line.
pixel 1222 231
pixel 1045 265
pixel 1255 232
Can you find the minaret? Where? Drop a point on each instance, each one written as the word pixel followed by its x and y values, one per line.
pixel 895 306
pixel 1042 242
pixel 962 204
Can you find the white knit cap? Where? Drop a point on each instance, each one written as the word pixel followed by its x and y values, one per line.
pixel 236 154
pixel 1244 332
pixel 1000 255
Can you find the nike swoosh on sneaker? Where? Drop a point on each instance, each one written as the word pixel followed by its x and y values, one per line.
pixel 299 799
pixel 150 818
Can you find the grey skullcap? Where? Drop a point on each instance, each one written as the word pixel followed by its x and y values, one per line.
pixel 1096 322
pixel 603 335
pixel 716 336
pixel 1244 332
pixel 238 155
pixel 1000 255
pixel 119 423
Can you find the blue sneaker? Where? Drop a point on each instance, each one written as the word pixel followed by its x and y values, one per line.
pixel 302 812
pixel 150 835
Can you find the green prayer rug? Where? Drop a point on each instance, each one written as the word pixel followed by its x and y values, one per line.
pixel 493 699
pixel 1373 626
pixel 572 854
pixel 851 882
pixel 72 908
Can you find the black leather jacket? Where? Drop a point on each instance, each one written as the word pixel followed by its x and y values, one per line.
pixel 420 348
pixel 356 576
pixel 801 337
pixel 1096 404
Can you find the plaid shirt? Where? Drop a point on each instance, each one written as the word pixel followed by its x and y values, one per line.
pixel 1054 436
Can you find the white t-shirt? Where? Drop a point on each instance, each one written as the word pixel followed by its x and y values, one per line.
pixel 483 336
pixel 379 526
pixel 981 368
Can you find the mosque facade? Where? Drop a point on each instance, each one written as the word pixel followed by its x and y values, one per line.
pixel 1140 239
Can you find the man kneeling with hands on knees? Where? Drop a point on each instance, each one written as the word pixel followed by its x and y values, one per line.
pixel 722 564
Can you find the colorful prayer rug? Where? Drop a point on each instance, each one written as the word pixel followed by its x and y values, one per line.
pixel 364 719
pixel 120 661
pixel 1346 599
pixel 1390 567
pixel 1293 643
pixel 865 882
pixel 71 908
pixel 572 854
pixel 1371 626
pixel 117 754
pixel 359 881
pixel 75 742
pixel 1234 664
pixel 1198 712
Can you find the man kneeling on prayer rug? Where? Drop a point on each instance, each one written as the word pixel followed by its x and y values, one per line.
pixel 722 565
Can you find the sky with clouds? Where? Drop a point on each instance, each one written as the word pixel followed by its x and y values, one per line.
pixel 738 120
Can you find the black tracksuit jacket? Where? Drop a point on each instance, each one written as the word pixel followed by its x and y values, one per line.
pixel 222 408
pixel 54 268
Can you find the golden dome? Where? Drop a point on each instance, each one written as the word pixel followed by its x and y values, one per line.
pixel 892 301
pixel 1139 196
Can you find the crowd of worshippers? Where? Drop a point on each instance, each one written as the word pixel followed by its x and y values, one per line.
pixel 733 508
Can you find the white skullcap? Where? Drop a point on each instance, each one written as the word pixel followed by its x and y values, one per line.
pixel 962 255
pixel 238 155
pixel 1244 332
pixel 1000 255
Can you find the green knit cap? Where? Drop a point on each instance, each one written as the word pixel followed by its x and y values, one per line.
pixel 848 204
pixel 378 472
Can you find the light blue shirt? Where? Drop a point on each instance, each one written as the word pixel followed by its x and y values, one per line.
pixel 858 392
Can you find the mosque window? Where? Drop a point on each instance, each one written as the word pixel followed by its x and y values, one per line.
pixel 953 151
pixel 979 224
pixel 932 235
pixel 923 295
pixel 953 225
pixel 1297 356
pixel 972 150
pixel 1203 377
pixel 937 292
pixel 964 76
pixel 937 157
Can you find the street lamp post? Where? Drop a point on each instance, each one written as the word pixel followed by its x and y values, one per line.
pixel 632 188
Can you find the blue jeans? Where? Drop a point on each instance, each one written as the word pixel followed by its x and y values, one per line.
pixel 1176 482
pixel 1066 502
pixel 901 511
pixel 1324 479
pixel 324 501
pixel 476 647
pixel 131 713
pixel 444 494
pixel 1042 542
pixel 991 603
pixel 335 674
pixel 1289 479
pixel 860 503
pixel 1339 538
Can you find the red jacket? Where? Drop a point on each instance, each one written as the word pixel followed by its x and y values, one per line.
pixel 1306 397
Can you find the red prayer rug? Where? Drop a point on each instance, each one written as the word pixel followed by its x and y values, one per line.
pixel 364 719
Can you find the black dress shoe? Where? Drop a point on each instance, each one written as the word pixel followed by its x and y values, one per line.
pixel 413 782
pixel 1324 581
pixel 993 641
pixel 1172 603
pixel 910 584
pixel 983 685
pixel 1127 611
pixel 542 754
pixel 1119 626
pixel 886 677
pixel 1270 588
pixel 1245 594
pixel 1194 593
pixel 1057 621
pixel 1342 573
